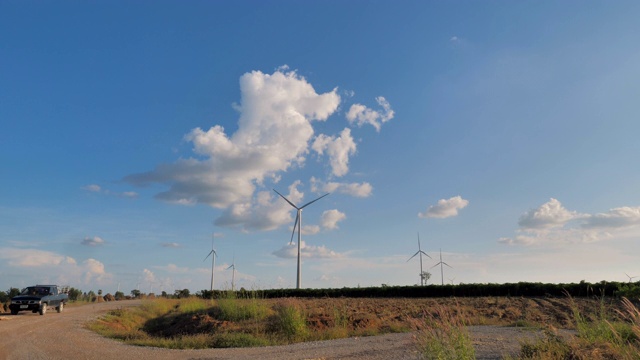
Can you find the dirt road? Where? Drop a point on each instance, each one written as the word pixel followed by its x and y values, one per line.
pixel 63 336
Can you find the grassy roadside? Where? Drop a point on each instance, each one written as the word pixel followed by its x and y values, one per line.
pixel 195 323
pixel 605 327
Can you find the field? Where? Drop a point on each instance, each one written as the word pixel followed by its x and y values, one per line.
pixel 607 324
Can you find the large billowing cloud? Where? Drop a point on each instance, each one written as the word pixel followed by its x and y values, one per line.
pixel 445 208
pixel 275 134
pixel 274 130
pixel 551 222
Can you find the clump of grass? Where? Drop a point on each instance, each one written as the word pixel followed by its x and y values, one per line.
pixel 192 305
pixel 550 346
pixel 234 309
pixel 443 335
pixel 291 322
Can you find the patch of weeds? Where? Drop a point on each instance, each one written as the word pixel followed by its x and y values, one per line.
pixel 234 309
pixel 230 340
pixel 291 322
pixel 443 334
pixel 550 346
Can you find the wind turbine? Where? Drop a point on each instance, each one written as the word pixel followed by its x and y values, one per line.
pixel 441 268
pixel 213 260
pixel 420 252
pixel 630 277
pixel 233 275
pixel 298 223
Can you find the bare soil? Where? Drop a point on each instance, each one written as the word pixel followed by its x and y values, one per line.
pixel 63 336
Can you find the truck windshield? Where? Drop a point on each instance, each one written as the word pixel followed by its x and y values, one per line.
pixel 35 290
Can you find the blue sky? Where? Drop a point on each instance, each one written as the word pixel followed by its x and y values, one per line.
pixel 504 133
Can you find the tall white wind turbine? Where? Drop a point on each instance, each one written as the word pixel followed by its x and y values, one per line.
pixel 420 253
pixel 441 268
pixel 213 260
pixel 298 223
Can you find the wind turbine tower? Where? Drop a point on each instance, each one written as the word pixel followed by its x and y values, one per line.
pixel 441 268
pixel 298 223
pixel 420 253
pixel 213 255
pixel 233 274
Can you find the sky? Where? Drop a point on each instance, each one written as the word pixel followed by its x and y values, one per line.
pixel 134 136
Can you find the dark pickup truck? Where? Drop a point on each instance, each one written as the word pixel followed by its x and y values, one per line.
pixel 39 298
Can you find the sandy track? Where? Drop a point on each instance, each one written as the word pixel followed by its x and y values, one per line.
pixel 63 336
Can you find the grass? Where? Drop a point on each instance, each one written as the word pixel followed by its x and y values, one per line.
pixel 443 335
pixel 607 333
pixel 603 328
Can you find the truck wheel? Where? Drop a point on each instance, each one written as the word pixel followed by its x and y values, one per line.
pixel 43 309
pixel 60 307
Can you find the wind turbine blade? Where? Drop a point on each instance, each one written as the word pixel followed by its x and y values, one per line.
pixel 444 263
pixel 414 255
pixel 311 202
pixel 294 228
pixel 210 252
pixel 425 254
pixel 231 266
pixel 434 265
pixel 419 248
pixel 287 200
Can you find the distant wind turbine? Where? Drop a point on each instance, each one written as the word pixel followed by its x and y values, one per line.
pixel 420 252
pixel 441 268
pixel 213 259
pixel 298 223
pixel 630 277
pixel 233 275
pixel 451 279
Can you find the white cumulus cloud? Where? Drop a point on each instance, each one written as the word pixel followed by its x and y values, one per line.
pixel 548 215
pixel 331 218
pixel 338 149
pixel 552 223
pixel 445 208
pixel 361 115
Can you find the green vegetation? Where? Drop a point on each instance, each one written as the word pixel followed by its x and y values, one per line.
pixel 606 334
pixel 231 321
pixel 443 335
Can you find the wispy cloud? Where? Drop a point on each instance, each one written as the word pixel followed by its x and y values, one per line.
pixel 290 251
pixel 100 190
pixel 360 115
pixel 362 190
pixel 93 241
pixel 170 245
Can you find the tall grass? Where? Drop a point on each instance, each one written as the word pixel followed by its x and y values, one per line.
pixel 605 334
pixel 443 335
pixel 291 322
pixel 234 309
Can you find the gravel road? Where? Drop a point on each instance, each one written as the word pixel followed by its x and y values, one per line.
pixel 63 336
